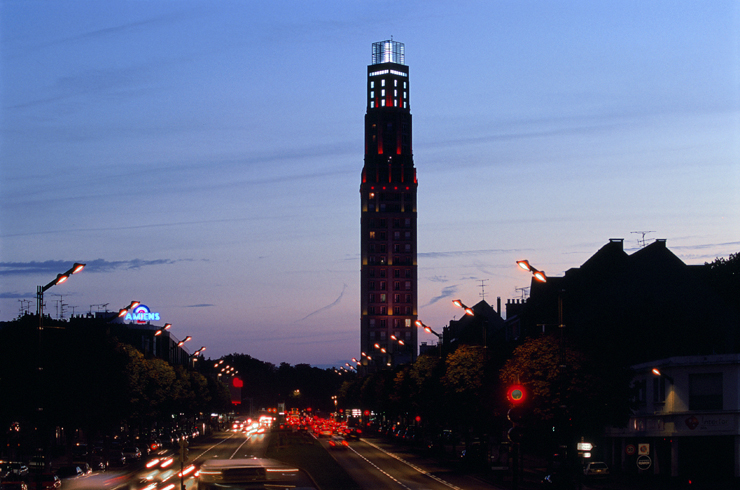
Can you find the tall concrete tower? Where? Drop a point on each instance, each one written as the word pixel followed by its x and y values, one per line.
pixel 388 273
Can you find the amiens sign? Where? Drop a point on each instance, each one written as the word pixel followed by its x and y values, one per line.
pixel 141 314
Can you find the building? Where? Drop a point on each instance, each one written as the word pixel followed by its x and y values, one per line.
pixel 686 423
pixel 388 271
pixel 635 307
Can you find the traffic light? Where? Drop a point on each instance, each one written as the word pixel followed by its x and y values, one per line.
pixel 516 394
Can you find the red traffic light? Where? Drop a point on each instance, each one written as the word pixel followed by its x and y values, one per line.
pixel 516 394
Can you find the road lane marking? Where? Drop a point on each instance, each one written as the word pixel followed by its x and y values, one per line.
pixel 410 465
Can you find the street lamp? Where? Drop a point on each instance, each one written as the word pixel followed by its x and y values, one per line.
pixel 658 373
pixel 40 290
pixel 186 339
pixel 122 312
pixel 537 274
pixel 162 330
pixel 460 304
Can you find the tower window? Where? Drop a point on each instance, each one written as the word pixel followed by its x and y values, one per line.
pixel 382 102
pixel 395 83
pixel 382 82
pixel 372 84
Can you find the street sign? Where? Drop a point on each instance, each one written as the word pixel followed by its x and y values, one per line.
pixel 644 462
pixel 643 449
pixel 630 449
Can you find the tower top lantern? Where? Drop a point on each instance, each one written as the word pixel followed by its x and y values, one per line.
pixel 389 52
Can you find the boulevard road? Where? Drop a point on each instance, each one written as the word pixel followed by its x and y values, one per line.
pixel 374 465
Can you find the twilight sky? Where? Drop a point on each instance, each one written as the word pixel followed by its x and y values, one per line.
pixel 204 157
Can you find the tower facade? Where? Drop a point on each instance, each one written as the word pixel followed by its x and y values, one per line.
pixel 388 272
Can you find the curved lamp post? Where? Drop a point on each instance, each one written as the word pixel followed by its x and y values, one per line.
pixel 40 290
pixel 122 312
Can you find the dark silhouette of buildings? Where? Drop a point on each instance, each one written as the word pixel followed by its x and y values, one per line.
pixel 388 272
pixel 635 308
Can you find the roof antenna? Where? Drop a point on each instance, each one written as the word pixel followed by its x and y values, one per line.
pixel 482 293
pixel 641 242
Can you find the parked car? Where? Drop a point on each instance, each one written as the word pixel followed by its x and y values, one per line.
pixel 70 471
pixel 115 458
pixel 596 469
pixel 13 485
pixel 132 453
pixel 44 481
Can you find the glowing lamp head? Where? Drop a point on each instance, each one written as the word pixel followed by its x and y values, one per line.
pixel 61 278
pixel 540 276
pixel 516 394
pixel 524 264
pixel 77 267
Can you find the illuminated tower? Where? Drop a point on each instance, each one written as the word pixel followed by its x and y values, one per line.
pixel 388 272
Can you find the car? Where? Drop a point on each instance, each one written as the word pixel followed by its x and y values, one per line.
pixel 338 441
pixel 44 481
pixel 596 469
pixel 115 458
pixel 132 453
pixel 256 473
pixel 13 485
pixel 70 471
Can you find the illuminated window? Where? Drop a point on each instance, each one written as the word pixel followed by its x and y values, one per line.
pixel 405 105
pixel 383 297
pixel 382 102
pixel 395 83
pixel 382 93
pixel 404 84
pixel 372 84
pixel 372 104
pixel 372 235
pixel 382 83
pixel 372 94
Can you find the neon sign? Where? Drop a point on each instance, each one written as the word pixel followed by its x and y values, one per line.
pixel 141 314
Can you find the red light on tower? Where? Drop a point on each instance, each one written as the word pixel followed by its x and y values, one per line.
pixel 516 394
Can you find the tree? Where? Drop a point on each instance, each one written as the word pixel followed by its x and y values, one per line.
pixel 589 393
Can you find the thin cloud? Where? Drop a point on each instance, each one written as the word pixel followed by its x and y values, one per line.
pixel 51 267
pixel 202 305
pixel 336 302
pixel 446 293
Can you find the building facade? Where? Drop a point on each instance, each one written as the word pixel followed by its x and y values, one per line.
pixel 686 422
pixel 388 271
